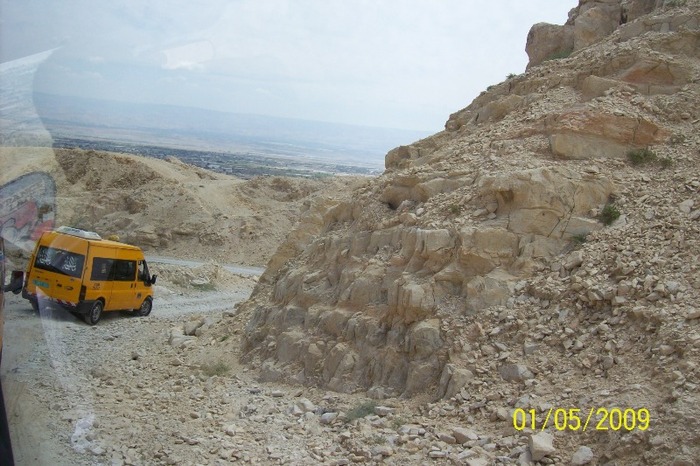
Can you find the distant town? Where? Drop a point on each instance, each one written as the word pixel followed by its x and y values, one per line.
pixel 242 165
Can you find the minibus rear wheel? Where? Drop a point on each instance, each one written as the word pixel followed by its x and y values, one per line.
pixel 35 304
pixel 94 314
pixel 145 308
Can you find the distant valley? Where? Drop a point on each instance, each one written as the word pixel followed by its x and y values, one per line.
pixel 238 144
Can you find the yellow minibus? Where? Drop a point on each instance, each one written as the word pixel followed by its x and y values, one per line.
pixel 86 274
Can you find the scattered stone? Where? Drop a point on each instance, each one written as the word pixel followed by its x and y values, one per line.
pixel 190 327
pixel 479 461
pixel 463 435
pixel 382 450
pixel 305 406
pixel 515 372
pixel 525 458
pixel 583 455
pixel 686 206
pixel 200 282
pixel 447 438
pixel 541 445
pixel 530 348
pixel 608 362
pixel 383 411
pixel 179 340
pixel 328 418
pixel 97 450
pixel 575 259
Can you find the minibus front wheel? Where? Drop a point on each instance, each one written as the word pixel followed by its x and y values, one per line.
pixel 93 315
pixel 145 308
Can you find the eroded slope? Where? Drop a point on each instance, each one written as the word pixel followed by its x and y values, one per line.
pixel 479 268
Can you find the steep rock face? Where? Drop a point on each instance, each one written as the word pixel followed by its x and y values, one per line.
pixel 654 54
pixel 590 22
pixel 359 307
pixel 365 292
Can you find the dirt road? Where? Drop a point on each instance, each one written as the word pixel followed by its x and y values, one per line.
pixel 27 362
pixel 244 270
pixel 43 391
pixel 52 361
pixel 140 391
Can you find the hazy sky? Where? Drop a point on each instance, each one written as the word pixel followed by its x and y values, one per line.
pixel 402 64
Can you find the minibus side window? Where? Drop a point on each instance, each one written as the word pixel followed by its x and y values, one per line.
pixel 101 269
pixel 60 261
pixel 124 271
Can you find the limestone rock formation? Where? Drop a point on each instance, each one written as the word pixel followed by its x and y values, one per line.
pixel 382 292
pixel 590 22
pixel 359 307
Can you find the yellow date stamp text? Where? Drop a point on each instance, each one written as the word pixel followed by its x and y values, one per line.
pixel 575 420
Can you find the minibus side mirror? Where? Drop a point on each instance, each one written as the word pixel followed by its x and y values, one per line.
pixel 152 281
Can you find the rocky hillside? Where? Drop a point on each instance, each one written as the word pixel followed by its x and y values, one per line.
pixel 168 207
pixel 541 252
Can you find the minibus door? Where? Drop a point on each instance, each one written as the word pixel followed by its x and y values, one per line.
pixel 124 285
pixel 100 285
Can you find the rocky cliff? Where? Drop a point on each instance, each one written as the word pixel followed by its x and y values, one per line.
pixel 544 245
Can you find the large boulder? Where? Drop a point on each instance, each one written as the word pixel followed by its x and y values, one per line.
pixel 587 134
pixel 543 201
pixel 595 21
pixel 657 75
pixel 590 22
pixel 546 41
